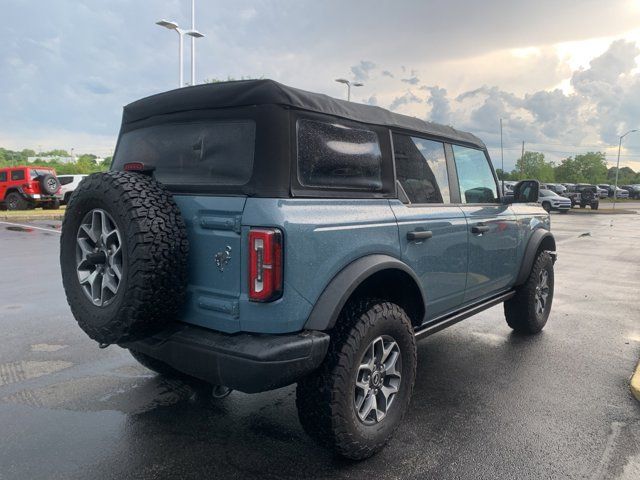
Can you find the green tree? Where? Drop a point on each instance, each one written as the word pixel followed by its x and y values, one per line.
pixel 626 176
pixel 533 165
pixel 590 167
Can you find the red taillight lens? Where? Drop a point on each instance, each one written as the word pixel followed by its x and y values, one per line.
pixel 265 264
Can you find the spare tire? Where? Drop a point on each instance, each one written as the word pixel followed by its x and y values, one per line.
pixel 49 184
pixel 123 256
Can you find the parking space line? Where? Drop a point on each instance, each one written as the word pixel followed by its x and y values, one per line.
pixel 30 226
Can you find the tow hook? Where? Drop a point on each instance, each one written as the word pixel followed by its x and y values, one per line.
pixel 220 391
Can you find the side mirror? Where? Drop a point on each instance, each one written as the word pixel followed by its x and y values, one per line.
pixel 526 191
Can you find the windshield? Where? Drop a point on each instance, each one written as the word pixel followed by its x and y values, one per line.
pixel 209 152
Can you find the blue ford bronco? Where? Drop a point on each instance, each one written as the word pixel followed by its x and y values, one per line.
pixel 254 235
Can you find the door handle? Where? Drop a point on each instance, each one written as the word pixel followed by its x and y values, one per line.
pixel 479 229
pixel 419 235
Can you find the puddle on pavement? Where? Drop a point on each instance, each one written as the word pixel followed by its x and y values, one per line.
pixel 19 229
pixel 99 393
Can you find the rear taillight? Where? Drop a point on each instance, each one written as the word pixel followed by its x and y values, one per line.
pixel 265 264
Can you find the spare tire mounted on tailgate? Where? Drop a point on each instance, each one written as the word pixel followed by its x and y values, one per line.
pixel 123 255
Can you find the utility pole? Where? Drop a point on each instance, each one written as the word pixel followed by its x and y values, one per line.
pixel 522 159
pixel 615 188
pixel 502 156
pixel 193 42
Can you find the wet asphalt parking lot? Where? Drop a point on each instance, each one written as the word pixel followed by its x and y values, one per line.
pixel 487 403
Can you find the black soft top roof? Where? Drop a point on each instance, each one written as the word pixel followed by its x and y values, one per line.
pixel 268 92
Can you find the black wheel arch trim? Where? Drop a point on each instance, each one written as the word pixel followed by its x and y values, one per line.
pixel 538 237
pixel 336 294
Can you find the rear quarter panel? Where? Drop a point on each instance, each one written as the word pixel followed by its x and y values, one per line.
pixel 321 237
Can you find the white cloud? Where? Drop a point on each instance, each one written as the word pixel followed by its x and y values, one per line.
pixel 68 66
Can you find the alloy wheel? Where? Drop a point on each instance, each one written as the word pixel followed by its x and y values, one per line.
pixel 377 380
pixel 542 292
pixel 99 262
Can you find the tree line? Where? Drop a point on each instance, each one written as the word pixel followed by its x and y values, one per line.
pixel 589 167
pixel 85 163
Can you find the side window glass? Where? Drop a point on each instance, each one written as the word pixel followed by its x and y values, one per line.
pixel 3 176
pixel 477 184
pixel 331 155
pixel 421 169
pixel 17 175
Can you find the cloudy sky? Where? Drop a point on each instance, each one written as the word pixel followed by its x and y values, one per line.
pixel 564 75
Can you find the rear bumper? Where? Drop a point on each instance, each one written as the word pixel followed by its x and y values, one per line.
pixel 246 362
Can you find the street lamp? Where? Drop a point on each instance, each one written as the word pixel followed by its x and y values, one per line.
pixel 181 33
pixel 615 190
pixel 349 85
pixel 193 33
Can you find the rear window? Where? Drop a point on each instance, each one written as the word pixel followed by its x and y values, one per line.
pixel 65 180
pixel 212 152
pixel 332 155
pixel 35 173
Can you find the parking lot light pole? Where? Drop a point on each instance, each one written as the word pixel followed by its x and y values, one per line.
pixel 181 33
pixel 349 85
pixel 174 26
pixel 193 33
pixel 615 188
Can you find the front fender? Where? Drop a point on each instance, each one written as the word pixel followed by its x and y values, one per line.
pixel 540 239
pixel 337 293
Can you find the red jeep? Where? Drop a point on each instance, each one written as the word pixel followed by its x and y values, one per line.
pixel 22 188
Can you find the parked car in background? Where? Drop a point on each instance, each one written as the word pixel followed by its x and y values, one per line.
pixel 634 190
pixel 24 187
pixel 554 187
pixel 507 186
pixel 621 193
pixel 68 185
pixel 602 192
pixel 550 201
pixel 607 188
pixel 584 194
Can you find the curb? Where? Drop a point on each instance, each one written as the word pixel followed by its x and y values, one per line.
pixel 7 218
pixel 635 383
pixel 603 211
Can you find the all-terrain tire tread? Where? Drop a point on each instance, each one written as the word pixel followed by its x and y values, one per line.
pixel 520 310
pixel 318 396
pixel 157 249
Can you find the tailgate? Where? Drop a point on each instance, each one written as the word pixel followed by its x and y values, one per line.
pixel 215 260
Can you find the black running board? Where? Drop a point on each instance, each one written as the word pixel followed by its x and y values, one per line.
pixel 445 321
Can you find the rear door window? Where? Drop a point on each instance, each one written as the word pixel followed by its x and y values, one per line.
pixel 333 155
pixel 475 177
pixel 3 176
pixel 17 175
pixel 217 152
pixel 421 169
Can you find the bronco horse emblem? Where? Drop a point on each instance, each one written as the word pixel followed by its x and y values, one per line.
pixel 223 258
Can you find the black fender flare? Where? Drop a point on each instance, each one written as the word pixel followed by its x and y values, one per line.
pixel 536 240
pixel 336 294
